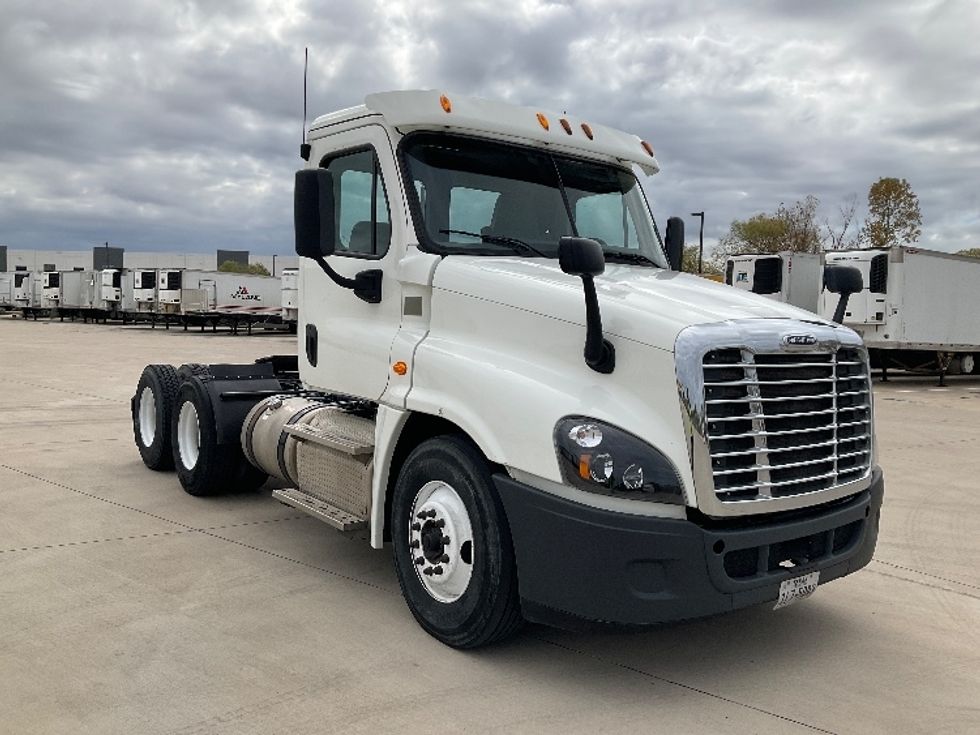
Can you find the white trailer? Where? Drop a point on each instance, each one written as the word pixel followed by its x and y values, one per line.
pixel 707 449
pixel 6 291
pixel 102 291
pixel 290 296
pixel 792 278
pixel 919 310
pixel 220 292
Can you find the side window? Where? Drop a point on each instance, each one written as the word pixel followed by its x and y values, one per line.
pixel 604 218
pixel 470 210
pixel 362 216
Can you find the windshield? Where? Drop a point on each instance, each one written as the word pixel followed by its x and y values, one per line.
pixel 483 198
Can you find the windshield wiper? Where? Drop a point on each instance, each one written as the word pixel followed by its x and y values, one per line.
pixel 629 258
pixel 513 242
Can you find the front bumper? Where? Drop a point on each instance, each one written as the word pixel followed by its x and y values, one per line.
pixel 578 564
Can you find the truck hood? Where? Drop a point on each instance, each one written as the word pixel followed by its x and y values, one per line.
pixel 642 304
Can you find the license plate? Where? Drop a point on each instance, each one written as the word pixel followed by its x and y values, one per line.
pixel 797 588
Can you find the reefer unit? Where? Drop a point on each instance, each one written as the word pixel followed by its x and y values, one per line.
pixel 792 278
pixel 144 287
pixel 290 294
pixel 919 308
pixel 24 290
pixel 50 289
pixel 103 290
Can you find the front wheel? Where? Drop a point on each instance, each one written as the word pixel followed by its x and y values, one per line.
pixel 453 551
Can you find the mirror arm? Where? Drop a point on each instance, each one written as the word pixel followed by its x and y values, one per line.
pixel 841 307
pixel 600 355
pixel 366 285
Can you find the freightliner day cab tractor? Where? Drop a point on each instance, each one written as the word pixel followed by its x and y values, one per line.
pixel 503 375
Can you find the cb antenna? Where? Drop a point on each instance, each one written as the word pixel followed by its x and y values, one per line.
pixel 304 147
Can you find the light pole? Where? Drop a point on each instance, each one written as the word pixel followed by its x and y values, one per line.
pixel 700 240
pixel 273 264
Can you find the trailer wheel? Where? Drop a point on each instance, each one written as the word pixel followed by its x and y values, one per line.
pixel 453 552
pixel 151 407
pixel 205 467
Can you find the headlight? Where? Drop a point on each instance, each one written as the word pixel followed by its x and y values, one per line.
pixel 600 458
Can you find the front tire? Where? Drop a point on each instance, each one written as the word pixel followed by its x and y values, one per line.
pixel 151 408
pixel 453 552
pixel 205 467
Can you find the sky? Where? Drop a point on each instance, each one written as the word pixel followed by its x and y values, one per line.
pixel 175 125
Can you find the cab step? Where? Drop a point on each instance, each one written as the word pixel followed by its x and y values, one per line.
pixel 348 438
pixel 318 508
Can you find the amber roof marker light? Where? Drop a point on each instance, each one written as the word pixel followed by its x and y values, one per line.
pixel 543 121
pixel 566 125
pixel 587 129
pixel 647 147
pixel 399 368
pixel 447 106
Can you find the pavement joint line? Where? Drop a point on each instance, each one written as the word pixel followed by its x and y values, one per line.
pixel 688 687
pixel 205 531
pixel 131 537
pixel 925 584
pixel 927 574
pixel 60 390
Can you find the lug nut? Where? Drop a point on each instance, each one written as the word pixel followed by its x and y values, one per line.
pixel 421 516
pixel 428 571
pixel 436 570
pixel 414 544
pixel 432 513
pixel 420 560
pixel 440 523
pixel 444 558
pixel 445 540
pixel 416 526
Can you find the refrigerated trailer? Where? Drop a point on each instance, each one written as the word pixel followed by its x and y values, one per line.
pixel 792 278
pixel 6 291
pixel 503 376
pixel 919 310
pixel 24 290
pixel 144 289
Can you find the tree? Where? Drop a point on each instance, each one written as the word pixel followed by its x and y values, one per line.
pixel 793 228
pixel 837 235
pixel 689 263
pixel 893 214
pixel 233 266
pixel 970 252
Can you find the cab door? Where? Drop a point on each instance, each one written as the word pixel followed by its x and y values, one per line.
pixel 345 342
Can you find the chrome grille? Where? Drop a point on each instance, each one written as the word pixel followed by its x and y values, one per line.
pixel 781 424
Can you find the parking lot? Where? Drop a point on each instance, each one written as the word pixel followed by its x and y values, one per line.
pixel 127 606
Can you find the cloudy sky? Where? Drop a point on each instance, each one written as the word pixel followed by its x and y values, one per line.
pixel 175 125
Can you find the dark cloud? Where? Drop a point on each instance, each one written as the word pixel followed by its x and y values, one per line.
pixel 176 125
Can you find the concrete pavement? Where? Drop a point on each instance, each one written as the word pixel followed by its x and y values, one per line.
pixel 128 606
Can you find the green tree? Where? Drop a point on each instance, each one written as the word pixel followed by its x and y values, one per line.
pixel 970 252
pixel 893 214
pixel 689 263
pixel 793 228
pixel 232 266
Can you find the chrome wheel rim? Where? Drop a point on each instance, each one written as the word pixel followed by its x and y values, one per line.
pixel 148 417
pixel 440 540
pixel 188 435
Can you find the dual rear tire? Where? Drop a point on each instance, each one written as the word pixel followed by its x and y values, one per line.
pixel 174 427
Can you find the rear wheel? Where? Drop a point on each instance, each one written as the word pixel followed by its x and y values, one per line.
pixel 205 467
pixel 453 551
pixel 151 408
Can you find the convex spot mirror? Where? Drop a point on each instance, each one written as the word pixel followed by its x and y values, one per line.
pixel 313 213
pixel 674 242
pixel 842 279
pixel 580 256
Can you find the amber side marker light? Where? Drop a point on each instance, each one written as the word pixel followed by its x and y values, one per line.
pixel 587 129
pixel 584 466
pixel 647 147
pixel 447 106
pixel 399 368
pixel 566 125
pixel 543 121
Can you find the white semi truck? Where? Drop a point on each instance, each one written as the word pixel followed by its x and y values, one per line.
pixel 792 278
pixel 502 373
pixel 919 310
